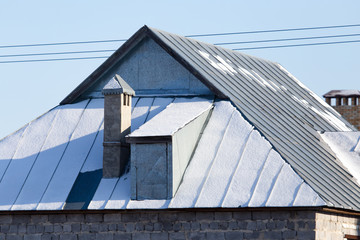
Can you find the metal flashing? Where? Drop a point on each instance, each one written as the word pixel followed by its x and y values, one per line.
pixel 117 85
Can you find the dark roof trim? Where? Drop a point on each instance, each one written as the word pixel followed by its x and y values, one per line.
pixel 143 32
pixel 103 211
pixel 149 139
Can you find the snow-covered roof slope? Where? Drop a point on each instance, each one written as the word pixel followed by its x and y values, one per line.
pixel 346 146
pixel 282 109
pixel 40 163
pixel 233 166
pixel 175 116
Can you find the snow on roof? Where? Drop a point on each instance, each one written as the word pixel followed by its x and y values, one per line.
pixel 285 111
pixel 174 117
pixel 346 146
pixel 233 166
pixel 47 156
pixel 342 93
pixel 40 162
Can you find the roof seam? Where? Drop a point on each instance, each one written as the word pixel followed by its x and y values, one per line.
pixel 274 183
pixel 17 146
pixel 37 155
pixel 258 177
pixel 62 155
pixel 212 162
pixel 236 168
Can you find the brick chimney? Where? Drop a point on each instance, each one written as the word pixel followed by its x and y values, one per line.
pixel 117 122
pixel 347 103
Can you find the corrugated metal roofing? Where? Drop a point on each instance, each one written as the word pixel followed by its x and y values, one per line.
pixel 233 166
pixel 284 111
pixel 275 102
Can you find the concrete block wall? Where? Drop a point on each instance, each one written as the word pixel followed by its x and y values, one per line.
pixel 160 224
pixel 351 113
pixel 336 226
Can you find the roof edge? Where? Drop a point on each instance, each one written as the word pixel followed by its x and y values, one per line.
pixel 111 61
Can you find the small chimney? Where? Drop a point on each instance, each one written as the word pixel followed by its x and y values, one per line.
pixel 347 103
pixel 117 122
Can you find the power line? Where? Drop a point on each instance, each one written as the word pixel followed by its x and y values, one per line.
pixel 273 30
pixel 297 45
pixel 51 60
pixel 224 43
pixel 194 35
pixel 249 48
pixel 287 39
pixel 54 53
pixel 61 43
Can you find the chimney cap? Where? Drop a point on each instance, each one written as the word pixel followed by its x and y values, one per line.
pixel 117 85
pixel 342 93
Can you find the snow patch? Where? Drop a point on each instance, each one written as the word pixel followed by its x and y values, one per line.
pixel 344 145
pixel 175 116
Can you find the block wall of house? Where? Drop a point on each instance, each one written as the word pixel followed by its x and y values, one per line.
pixel 351 113
pixel 162 224
pixel 337 226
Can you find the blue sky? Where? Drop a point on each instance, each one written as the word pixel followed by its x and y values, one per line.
pixel 28 90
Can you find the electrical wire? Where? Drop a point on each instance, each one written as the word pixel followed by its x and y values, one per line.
pixel 224 43
pixel 51 60
pixel 274 30
pixel 194 35
pixel 55 53
pixel 61 43
pixel 288 39
pixel 297 45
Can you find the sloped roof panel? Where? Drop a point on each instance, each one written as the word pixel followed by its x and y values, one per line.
pixel 231 167
pixel 285 111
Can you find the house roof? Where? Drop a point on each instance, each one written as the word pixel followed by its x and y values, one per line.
pixel 271 105
pixel 56 154
pixel 286 112
pixel 229 151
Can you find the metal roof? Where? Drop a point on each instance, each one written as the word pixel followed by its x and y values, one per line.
pixel 280 108
pixel 233 166
pixel 286 112
pixel 55 162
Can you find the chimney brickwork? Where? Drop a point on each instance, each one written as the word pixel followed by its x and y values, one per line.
pixel 351 113
pixel 347 103
pixel 117 124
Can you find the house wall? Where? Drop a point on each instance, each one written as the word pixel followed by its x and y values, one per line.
pixel 335 226
pixel 351 113
pixel 149 69
pixel 160 224
pixel 179 224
